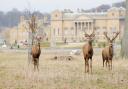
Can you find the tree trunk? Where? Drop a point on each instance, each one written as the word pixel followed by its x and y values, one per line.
pixel 124 45
pixel 32 32
pixel 29 47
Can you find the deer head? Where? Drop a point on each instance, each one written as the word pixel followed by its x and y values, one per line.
pixel 90 37
pixel 38 38
pixel 111 40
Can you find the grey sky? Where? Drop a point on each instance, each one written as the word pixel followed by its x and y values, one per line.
pixel 50 5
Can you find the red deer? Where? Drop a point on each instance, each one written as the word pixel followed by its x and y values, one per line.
pixel 107 52
pixel 36 51
pixel 88 52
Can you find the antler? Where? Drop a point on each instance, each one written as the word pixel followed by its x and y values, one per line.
pixel 86 35
pixel 105 33
pixel 117 33
pixel 91 35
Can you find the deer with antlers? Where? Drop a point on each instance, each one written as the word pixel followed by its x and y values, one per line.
pixel 88 52
pixel 35 52
pixel 107 52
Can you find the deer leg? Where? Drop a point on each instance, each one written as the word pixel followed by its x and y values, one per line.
pixel 38 64
pixel 91 65
pixel 85 64
pixel 34 65
pixel 103 62
pixel 109 64
pixel 106 63
pixel 33 61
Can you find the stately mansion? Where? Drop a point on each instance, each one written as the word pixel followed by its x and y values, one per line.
pixel 71 26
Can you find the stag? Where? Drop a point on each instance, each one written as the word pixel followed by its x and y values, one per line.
pixel 107 52
pixel 36 51
pixel 88 52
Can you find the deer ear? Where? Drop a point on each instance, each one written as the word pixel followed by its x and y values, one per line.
pixel 92 35
pixel 38 37
pixel 105 33
pixel 86 35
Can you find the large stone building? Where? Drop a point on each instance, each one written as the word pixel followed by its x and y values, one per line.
pixel 72 25
pixel 20 32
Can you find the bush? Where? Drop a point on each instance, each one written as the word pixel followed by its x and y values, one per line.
pixel 101 44
pixel 45 44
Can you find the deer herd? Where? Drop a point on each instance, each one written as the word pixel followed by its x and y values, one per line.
pixel 107 52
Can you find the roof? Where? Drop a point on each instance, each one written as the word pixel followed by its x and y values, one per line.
pixel 72 16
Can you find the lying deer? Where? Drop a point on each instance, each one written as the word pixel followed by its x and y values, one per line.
pixel 36 51
pixel 88 52
pixel 107 52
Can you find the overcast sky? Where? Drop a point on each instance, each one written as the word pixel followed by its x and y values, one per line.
pixel 50 5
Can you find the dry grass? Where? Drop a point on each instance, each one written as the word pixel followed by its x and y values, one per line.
pixel 56 74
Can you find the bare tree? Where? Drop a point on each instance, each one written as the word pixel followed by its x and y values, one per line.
pixel 33 26
pixel 32 29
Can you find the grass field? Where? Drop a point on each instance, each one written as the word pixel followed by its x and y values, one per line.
pixel 57 74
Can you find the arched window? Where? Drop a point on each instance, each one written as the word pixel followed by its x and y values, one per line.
pixel 113 14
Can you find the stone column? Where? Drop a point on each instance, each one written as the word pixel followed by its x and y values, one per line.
pixel 82 26
pixel 87 26
pixel 90 26
pixel 76 25
pixel 79 32
pixel 79 25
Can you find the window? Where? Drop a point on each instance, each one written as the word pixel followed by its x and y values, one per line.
pixel 65 28
pixel 113 14
pixel 56 15
pixel 97 28
pixel 72 28
pixel 104 28
pixel 66 32
pixel 98 33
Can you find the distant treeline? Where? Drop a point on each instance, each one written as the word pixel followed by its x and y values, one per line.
pixel 105 7
pixel 12 18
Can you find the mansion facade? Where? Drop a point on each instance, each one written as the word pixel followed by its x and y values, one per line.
pixel 71 26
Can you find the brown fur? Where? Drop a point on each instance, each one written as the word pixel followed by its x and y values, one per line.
pixel 88 52
pixel 107 52
pixel 36 51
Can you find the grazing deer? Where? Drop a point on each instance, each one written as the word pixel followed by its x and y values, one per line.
pixel 107 52
pixel 36 51
pixel 88 51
